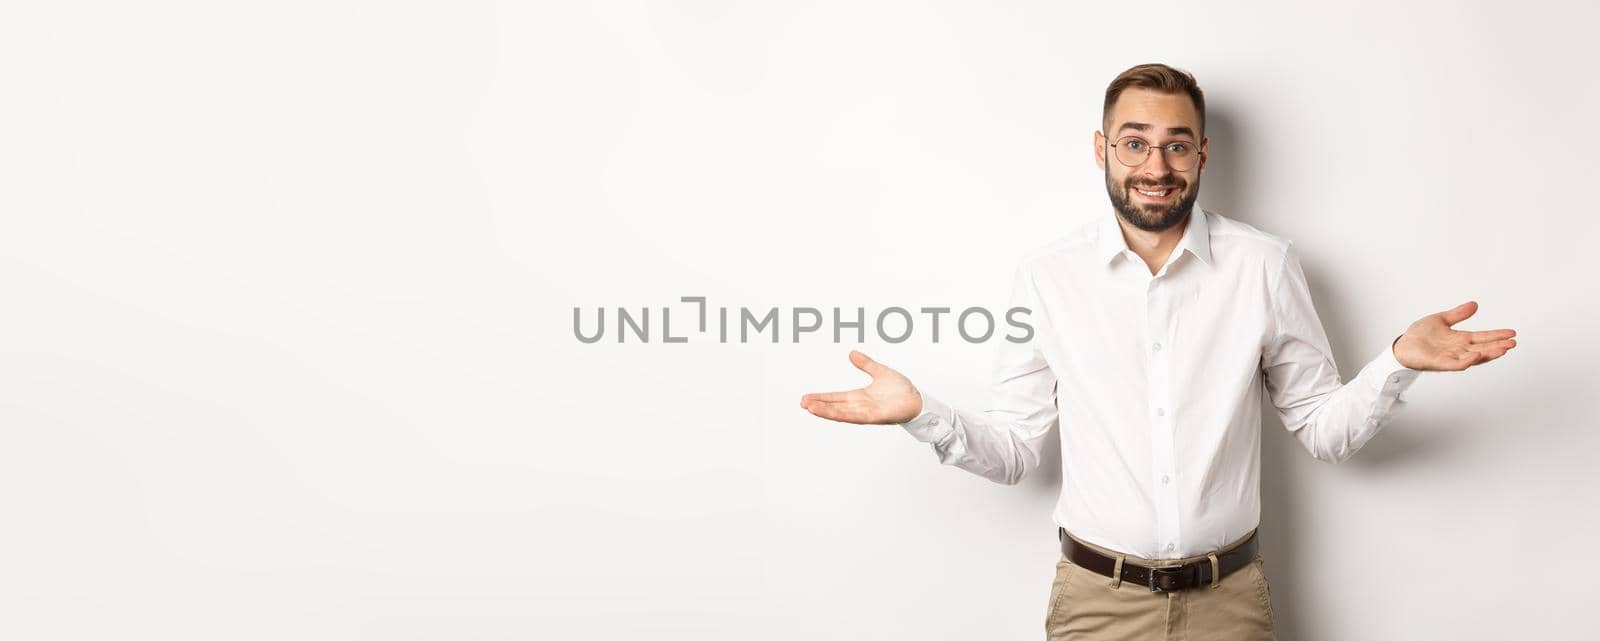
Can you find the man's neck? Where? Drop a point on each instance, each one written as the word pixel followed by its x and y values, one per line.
pixel 1153 247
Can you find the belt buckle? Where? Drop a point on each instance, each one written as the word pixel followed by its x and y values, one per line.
pixel 1175 571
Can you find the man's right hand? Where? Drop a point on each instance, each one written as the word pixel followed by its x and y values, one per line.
pixel 889 399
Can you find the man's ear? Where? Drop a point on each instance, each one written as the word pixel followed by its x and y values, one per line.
pixel 1205 152
pixel 1100 150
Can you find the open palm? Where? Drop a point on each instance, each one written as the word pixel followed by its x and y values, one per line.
pixel 1431 344
pixel 889 399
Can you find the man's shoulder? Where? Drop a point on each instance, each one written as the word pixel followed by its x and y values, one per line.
pixel 1059 247
pixel 1075 241
pixel 1243 237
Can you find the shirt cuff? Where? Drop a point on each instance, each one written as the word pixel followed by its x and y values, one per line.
pixel 934 424
pixel 1395 378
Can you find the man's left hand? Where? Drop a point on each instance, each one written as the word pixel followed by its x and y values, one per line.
pixel 1430 343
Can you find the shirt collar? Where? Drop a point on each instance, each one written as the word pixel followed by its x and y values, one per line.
pixel 1196 237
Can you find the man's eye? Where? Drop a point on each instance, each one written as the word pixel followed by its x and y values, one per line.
pixel 1178 148
pixel 1134 145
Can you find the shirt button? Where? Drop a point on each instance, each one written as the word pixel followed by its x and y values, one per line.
pixel 1169 547
pixel 1164 479
pixel 1158 348
pixel 1160 412
pixel 1372 421
pixel 934 421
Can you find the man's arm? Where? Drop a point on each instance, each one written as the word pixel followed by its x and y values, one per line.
pixel 1001 443
pixel 1331 420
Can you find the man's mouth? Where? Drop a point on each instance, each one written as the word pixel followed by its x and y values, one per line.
pixel 1156 194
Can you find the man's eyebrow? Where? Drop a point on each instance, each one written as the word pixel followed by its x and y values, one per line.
pixel 1140 126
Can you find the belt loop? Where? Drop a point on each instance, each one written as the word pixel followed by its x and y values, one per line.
pixel 1216 571
pixel 1116 572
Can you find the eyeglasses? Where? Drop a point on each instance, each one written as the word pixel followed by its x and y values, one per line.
pixel 1133 151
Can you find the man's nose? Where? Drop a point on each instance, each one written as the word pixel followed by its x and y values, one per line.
pixel 1156 165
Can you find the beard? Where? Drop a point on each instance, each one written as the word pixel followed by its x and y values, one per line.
pixel 1152 217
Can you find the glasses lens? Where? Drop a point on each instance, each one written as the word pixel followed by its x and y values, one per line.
pixel 1132 151
pixel 1180 156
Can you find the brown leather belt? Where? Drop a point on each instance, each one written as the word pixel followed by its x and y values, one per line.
pixel 1161 579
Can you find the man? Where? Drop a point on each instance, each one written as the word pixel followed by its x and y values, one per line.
pixel 1157 327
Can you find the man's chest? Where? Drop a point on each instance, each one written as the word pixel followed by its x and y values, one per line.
pixel 1128 327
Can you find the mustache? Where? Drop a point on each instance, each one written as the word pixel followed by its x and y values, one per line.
pixel 1170 181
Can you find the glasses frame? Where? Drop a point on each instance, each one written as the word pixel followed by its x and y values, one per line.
pixel 1122 142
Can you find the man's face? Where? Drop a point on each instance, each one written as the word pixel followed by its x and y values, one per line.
pixel 1154 195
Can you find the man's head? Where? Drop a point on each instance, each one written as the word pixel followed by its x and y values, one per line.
pixel 1152 145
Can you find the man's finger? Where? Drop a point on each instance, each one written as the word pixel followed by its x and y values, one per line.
pixel 827 397
pixel 1459 312
pixel 1494 349
pixel 838 411
pixel 1467 358
pixel 1491 335
pixel 865 363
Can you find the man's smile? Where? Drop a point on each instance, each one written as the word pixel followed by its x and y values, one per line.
pixel 1156 193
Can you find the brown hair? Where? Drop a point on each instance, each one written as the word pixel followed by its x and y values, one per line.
pixel 1156 77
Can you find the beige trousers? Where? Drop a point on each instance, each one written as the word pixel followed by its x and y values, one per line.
pixel 1087 606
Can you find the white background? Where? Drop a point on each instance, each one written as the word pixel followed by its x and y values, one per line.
pixel 287 346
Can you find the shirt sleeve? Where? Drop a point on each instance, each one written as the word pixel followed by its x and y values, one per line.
pixel 1331 420
pixel 1003 442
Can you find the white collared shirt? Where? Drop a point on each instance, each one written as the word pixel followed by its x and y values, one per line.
pixel 1156 384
